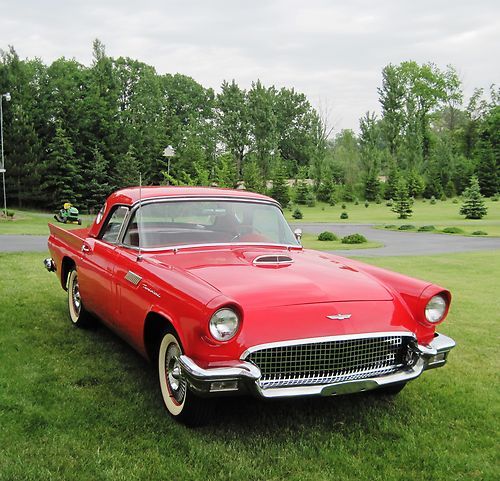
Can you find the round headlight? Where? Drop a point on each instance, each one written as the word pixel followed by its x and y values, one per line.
pixel 435 309
pixel 224 324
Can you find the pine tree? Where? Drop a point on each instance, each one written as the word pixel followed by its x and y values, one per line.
pixel 302 189
pixel 60 171
pixel 416 184
pixel 128 169
pixel 97 187
pixel 225 174
pixel 279 190
pixel 473 206
pixel 402 200
pixel 372 185
pixel 252 177
pixel 325 190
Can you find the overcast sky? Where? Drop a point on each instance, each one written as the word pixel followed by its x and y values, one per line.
pixel 333 51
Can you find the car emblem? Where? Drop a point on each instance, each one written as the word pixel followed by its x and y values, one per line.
pixel 339 317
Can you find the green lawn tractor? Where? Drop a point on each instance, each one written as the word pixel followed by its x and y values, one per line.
pixel 68 215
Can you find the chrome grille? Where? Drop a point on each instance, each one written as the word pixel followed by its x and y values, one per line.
pixel 329 361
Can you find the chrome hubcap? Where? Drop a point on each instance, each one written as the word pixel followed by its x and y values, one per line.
pixel 176 382
pixel 75 296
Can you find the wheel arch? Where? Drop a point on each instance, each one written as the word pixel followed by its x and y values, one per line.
pixel 66 265
pixel 155 324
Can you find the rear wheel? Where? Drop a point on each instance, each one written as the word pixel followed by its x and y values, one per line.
pixel 180 402
pixel 78 315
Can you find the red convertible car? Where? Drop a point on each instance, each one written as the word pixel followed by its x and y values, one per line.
pixel 214 287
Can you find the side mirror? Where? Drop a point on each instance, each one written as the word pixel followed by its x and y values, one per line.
pixel 298 235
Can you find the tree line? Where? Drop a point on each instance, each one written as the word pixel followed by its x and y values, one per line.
pixel 75 133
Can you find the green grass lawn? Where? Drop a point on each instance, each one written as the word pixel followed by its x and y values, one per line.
pixel 442 213
pixel 35 223
pixel 81 405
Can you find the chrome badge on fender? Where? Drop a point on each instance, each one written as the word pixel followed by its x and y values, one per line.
pixel 339 317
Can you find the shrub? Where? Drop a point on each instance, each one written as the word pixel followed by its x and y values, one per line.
pixel 443 198
pixel 354 239
pixel 495 198
pixel 327 236
pixel 390 226
pixel 406 227
pixel 378 199
pixel 356 202
pixel 479 232
pixel 455 200
pixel 297 214
pixel 344 206
pixel 367 204
pixel 426 228
pixel 453 230
pixel 344 215
pixel 10 213
pixel 389 203
pixel 433 200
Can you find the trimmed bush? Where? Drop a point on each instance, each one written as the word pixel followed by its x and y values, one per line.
pixel 327 236
pixel 354 239
pixel 356 202
pixel 455 200
pixel 343 206
pixel 453 230
pixel 406 227
pixel 433 200
pixel 344 215
pixel 297 214
pixel 390 226
pixel 479 232
pixel 367 204
pixel 389 203
pixel 426 228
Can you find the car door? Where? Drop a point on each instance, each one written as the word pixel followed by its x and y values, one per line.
pixel 97 264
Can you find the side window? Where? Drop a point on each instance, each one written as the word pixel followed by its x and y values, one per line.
pixel 111 229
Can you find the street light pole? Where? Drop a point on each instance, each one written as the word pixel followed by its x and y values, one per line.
pixel 2 169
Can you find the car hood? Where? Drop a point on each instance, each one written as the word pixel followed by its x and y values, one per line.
pixel 311 277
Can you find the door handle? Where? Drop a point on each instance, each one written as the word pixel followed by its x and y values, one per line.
pixel 86 248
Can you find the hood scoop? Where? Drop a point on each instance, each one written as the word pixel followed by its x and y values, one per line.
pixel 272 260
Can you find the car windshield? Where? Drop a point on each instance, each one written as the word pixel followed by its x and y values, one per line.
pixel 193 222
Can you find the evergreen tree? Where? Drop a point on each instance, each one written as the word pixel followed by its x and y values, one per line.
pixel 325 190
pixel 60 171
pixel 96 187
pixel 372 185
pixel 473 206
pixel 302 189
pixel 416 184
pixel 225 175
pixel 402 201
pixel 128 169
pixel 279 190
pixel 252 177
pixel 392 181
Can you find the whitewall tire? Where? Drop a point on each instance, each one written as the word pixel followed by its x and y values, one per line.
pixel 78 315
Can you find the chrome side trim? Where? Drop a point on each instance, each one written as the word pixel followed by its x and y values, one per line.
pixel 313 340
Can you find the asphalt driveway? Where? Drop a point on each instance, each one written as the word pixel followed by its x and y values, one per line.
pixel 395 243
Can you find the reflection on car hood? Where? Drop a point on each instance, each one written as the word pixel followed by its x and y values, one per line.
pixel 312 277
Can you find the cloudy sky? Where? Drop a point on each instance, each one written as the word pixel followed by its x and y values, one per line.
pixel 333 51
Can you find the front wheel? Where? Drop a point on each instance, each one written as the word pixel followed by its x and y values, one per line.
pixel 180 402
pixel 78 315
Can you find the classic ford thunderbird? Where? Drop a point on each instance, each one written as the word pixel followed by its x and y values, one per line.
pixel 214 287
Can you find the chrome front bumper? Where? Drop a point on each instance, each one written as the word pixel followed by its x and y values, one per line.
pixel 242 376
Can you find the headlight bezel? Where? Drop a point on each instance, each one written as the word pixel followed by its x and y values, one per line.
pixel 440 304
pixel 213 330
